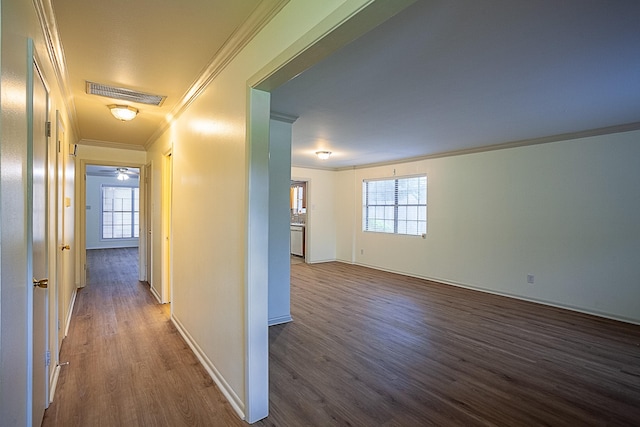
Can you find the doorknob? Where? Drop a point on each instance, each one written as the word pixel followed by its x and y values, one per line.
pixel 42 283
pixel 67 247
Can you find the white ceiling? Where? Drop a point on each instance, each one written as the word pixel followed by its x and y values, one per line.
pixel 448 75
pixel 440 76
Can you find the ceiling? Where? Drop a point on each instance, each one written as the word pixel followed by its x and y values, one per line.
pixel 140 46
pixel 439 77
pixel 444 76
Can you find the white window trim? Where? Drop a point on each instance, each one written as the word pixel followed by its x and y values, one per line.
pixel 133 225
pixel 395 206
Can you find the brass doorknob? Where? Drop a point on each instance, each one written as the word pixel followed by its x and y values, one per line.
pixel 42 283
pixel 67 247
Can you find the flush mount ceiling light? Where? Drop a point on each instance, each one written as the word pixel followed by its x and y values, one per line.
pixel 323 155
pixel 123 112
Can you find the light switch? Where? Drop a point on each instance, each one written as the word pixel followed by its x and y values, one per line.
pixel 67 201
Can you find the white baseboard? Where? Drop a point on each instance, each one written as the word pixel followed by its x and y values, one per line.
pixel 223 385
pixel 506 294
pixel 70 312
pixel 279 320
pixel 53 383
pixel 155 293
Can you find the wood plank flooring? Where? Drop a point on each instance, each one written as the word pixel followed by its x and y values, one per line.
pixel 369 348
pixel 128 365
pixel 366 348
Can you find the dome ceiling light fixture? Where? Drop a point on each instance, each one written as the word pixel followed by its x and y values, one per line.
pixel 323 155
pixel 123 112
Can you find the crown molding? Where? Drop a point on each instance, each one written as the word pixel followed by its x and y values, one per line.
pixel 110 144
pixel 608 130
pixel 283 117
pixel 46 16
pixel 261 15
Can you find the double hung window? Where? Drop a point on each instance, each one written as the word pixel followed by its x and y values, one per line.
pixel 120 212
pixel 397 206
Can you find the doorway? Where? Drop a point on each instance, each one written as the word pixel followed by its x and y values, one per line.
pixel 111 210
pixel 298 210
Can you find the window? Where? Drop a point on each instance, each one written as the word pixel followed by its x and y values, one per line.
pixel 396 206
pixel 120 212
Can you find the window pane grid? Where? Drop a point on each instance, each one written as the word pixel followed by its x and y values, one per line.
pixel 396 206
pixel 120 212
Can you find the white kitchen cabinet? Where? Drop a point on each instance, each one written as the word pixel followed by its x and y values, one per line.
pixel 297 240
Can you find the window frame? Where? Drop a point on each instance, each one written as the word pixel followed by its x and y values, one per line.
pixel 134 200
pixel 395 207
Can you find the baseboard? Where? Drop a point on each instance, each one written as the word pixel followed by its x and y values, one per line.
pixel 70 312
pixel 232 397
pixel 320 261
pixel 53 383
pixel 279 320
pixel 506 294
pixel 155 293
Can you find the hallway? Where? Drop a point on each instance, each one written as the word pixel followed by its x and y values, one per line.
pixel 127 364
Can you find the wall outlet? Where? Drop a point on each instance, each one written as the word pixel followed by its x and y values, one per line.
pixel 361 251
pixel 530 279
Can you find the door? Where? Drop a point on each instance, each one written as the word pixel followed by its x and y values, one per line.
pixel 147 222
pixel 166 226
pixel 58 234
pixel 38 253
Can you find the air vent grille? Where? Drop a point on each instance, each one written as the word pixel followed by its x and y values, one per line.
pixel 124 94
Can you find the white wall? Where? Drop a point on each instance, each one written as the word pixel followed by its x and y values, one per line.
pixel 279 219
pixel 565 212
pixel 322 213
pixel 93 204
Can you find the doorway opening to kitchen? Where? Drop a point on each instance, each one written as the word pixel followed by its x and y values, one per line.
pixel 298 210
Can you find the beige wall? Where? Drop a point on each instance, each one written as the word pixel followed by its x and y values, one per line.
pixel 209 208
pixel 19 24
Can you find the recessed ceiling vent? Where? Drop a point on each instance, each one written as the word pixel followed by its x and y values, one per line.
pixel 124 94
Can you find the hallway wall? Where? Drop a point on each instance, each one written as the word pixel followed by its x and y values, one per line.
pixel 209 211
pixel 19 23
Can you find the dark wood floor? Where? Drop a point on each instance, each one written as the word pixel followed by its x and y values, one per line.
pixel 128 366
pixel 369 348
pixel 366 348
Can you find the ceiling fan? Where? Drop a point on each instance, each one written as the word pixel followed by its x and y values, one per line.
pixel 122 173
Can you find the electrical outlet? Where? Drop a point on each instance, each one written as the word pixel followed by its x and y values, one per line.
pixel 530 279
pixel 361 251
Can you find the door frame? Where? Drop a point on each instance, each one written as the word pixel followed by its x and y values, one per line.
pixel 306 239
pixel 148 223
pixel 167 238
pixel 57 182
pixel 81 238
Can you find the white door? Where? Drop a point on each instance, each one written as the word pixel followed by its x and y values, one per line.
pixel 60 236
pixel 38 253
pixel 166 226
pixel 147 222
